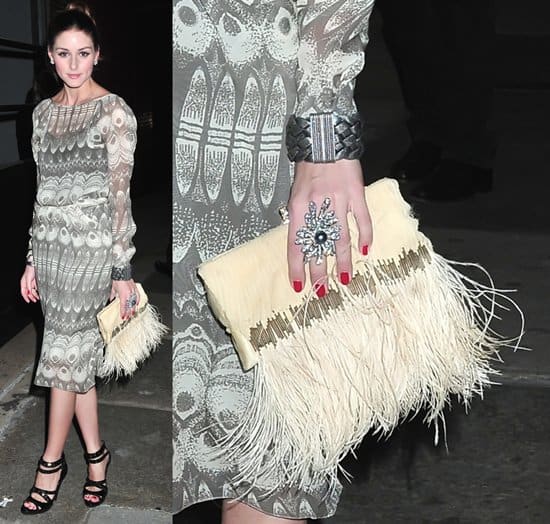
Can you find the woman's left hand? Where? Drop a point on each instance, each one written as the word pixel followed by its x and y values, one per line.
pixel 342 182
pixel 124 289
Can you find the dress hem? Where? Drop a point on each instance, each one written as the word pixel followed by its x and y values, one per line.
pixel 64 387
pixel 313 516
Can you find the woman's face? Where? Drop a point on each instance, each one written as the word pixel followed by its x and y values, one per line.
pixel 73 55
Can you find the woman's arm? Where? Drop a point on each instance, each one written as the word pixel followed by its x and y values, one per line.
pixel 120 141
pixel 28 285
pixel 333 35
pixel 324 135
pixel 37 115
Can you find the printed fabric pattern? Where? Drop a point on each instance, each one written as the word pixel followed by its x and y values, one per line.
pixel 241 67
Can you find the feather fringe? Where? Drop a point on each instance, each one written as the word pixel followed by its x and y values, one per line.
pixel 133 344
pixel 405 349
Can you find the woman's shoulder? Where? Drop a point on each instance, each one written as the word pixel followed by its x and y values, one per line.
pixel 41 108
pixel 113 102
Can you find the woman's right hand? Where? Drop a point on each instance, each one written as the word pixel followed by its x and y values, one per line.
pixel 28 285
pixel 342 182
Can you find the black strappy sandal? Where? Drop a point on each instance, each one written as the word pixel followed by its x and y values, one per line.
pixel 101 485
pixel 41 506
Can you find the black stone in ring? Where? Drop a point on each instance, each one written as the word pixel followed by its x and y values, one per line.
pixel 321 237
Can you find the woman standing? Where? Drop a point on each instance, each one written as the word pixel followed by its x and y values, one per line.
pixel 81 245
pixel 241 69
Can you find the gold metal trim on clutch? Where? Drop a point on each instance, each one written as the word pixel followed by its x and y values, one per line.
pixel 385 271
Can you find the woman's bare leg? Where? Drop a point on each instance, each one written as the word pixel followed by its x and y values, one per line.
pixel 62 408
pixel 240 513
pixel 88 421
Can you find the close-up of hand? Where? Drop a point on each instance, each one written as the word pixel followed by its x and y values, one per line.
pixel 342 182
pixel 124 289
pixel 29 290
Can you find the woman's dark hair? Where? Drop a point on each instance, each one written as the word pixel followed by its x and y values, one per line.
pixel 77 16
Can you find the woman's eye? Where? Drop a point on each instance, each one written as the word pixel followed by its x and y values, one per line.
pixel 84 54
pixel 62 54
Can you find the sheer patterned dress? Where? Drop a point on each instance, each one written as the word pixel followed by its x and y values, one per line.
pixel 82 227
pixel 241 67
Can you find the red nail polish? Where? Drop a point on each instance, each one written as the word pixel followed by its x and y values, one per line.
pixel 321 291
pixel 297 284
pixel 344 278
pixel 365 249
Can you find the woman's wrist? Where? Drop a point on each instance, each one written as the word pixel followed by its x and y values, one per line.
pixel 324 137
pixel 121 273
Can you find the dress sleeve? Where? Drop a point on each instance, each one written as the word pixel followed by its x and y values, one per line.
pixel 37 115
pixel 333 35
pixel 120 138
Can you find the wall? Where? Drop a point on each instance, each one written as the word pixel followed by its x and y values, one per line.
pixel 17 72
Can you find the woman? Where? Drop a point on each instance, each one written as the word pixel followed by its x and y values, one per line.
pixel 241 69
pixel 81 246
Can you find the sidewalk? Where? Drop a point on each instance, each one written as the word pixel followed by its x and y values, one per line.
pixel 135 415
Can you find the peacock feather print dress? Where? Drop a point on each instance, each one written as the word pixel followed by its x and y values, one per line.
pixel 82 227
pixel 241 68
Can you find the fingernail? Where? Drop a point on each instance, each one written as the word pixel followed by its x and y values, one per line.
pixel 344 278
pixel 297 285
pixel 365 250
pixel 321 291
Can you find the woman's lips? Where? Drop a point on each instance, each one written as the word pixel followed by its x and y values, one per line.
pixel 73 77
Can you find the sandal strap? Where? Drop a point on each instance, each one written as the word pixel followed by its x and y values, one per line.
pixel 101 493
pixel 97 456
pixel 96 483
pixel 53 467
pixel 44 493
pixel 39 504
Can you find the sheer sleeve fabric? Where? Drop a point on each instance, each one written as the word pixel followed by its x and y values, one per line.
pixel 333 35
pixel 38 117
pixel 120 135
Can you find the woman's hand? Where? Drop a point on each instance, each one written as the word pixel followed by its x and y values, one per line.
pixel 28 285
pixel 342 182
pixel 123 289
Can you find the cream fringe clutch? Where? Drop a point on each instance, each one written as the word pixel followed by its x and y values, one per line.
pixel 405 334
pixel 129 342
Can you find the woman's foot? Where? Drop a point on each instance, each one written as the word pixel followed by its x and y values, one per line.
pixel 95 488
pixel 49 476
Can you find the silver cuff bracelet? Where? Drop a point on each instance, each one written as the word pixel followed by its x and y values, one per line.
pixel 121 273
pixel 324 137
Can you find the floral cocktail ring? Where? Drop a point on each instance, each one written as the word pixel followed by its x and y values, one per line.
pixel 131 301
pixel 319 234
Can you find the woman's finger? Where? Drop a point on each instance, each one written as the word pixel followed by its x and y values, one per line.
pixel 25 294
pixel 123 298
pixel 343 246
pixel 364 224
pixel 318 275
pixel 33 294
pixel 23 288
pixel 295 257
